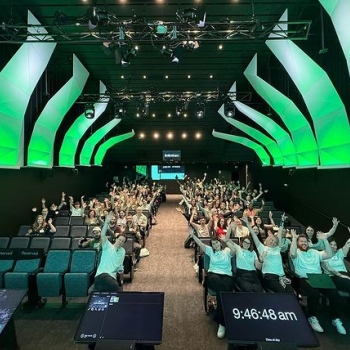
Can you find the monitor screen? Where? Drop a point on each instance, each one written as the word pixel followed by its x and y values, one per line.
pixel 9 301
pixel 168 172
pixel 109 315
pixel 172 156
pixel 266 317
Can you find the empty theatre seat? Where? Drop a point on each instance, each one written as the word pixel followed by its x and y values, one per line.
pixel 23 274
pixel 76 220
pixel 19 242
pixel 78 231
pixel 60 243
pixel 4 242
pixel 50 281
pixel 23 230
pixel 62 231
pixel 40 242
pixel 62 220
pixel 7 262
pixel 129 258
pixel 80 276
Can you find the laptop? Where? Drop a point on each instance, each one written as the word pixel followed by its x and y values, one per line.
pixel 320 280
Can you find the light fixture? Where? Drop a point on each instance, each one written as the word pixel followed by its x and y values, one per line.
pixel 200 110
pixel 186 15
pixel 167 51
pixel 119 110
pixel 182 108
pixel 97 17
pixel 128 56
pixel 229 110
pixel 89 111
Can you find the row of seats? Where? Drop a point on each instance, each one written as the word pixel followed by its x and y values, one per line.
pixel 65 273
pixel 64 230
pixel 47 243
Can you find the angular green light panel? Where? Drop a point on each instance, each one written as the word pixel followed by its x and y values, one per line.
pixel 299 128
pixel 258 149
pixel 77 130
pixel 102 150
pixel 41 146
pixel 339 11
pixel 91 142
pixel 270 144
pixel 322 100
pixel 282 138
pixel 17 81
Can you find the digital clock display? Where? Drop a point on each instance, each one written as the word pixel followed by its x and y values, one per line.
pixel 266 317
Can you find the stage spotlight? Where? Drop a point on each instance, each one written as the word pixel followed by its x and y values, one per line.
pixel 200 110
pixel 97 17
pixel 167 51
pixel 89 111
pixel 128 56
pixel 179 110
pixel 229 110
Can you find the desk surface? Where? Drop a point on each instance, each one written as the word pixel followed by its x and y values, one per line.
pixel 266 317
pixel 9 301
pixel 134 316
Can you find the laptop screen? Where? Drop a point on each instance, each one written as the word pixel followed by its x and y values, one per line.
pixel 134 316
pixel 266 317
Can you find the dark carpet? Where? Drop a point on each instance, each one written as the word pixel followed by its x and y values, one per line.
pixel 169 269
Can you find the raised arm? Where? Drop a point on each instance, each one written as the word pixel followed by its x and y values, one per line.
pixel 105 227
pixel 327 252
pixel 198 241
pixel 293 246
pixel 251 231
pixel 280 229
pixel 331 232
pixel 231 245
pixel 346 246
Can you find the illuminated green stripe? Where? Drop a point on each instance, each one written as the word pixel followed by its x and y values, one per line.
pixel 77 130
pixel 101 152
pixel 339 11
pixel 299 128
pixel 18 80
pixel 270 144
pixel 91 142
pixel 282 138
pixel 41 146
pixel 258 149
pixel 326 109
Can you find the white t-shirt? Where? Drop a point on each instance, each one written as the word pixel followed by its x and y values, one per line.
pixel 307 262
pixel 111 259
pixel 336 262
pixel 220 261
pixel 245 259
pixel 273 261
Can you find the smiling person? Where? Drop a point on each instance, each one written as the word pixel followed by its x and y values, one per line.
pixel 111 261
pixel 220 276
pixel 274 278
pixel 307 260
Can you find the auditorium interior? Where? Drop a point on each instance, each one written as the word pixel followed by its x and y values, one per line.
pixel 99 92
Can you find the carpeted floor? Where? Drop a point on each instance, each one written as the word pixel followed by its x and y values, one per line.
pixel 168 268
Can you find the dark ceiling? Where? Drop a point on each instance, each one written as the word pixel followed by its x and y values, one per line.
pixel 240 26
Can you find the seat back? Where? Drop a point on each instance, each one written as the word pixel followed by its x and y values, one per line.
pixel 23 230
pixel 40 242
pixel 57 261
pixel 83 261
pixel 60 243
pixel 28 260
pixel 63 212
pixel 7 259
pixel 62 220
pixel 78 231
pixel 76 220
pixel 4 242
pixel 19 242
pixel 62 231
pixel 75 243
pixel 129 246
